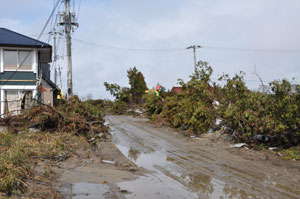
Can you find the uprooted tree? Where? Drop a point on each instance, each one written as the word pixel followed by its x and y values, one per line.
pixel 244 112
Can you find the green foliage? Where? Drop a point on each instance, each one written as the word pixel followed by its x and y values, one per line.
pixel 153 104
pixel 90 109
pixel 193 108
pixel 114 89
pixel 247 113
pixel 291 153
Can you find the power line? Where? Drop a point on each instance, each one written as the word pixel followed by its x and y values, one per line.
pixel 78 10
pixel 119 11
pixel 288 51
pixel 51 15
pixel 130 49
pixel 183 49
pixel 41 33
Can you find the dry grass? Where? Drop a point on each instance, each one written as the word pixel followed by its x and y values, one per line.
pixel 18 153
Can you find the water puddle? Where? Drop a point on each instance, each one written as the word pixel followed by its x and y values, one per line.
pixel 84 190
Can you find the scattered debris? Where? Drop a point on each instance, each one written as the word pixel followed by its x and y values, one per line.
pixel 211 130
pixel 218 121
pixel 108 162
pixel 261 138
pixel 125 191
pixel 238 145
pixel 186 127
pixel 196 137
pixel 273 148
pixel 138 111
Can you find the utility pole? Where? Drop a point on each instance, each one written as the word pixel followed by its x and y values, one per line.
pixel 55 56
pixel 54 32
pixel 68 20
pixel 54 59
pixel 69 54
pixel 194 47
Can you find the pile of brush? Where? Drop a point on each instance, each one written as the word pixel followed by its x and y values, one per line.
pixel 73 116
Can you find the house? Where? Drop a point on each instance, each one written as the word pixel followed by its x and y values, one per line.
pixel 22 62
pixel 176 89
pixel 179 89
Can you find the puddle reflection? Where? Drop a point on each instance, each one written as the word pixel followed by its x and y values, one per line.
pixel 133 154
pixel 234 192
pixel 199 182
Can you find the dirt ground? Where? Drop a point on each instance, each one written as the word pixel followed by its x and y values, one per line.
pixel 89 171
pixel 205 167
pixel 143 160
pixel 102 165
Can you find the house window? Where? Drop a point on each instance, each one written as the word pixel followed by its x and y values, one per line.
pixel 18 59
pixel 10 59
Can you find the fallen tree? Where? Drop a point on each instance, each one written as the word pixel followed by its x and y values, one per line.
pixel 247 115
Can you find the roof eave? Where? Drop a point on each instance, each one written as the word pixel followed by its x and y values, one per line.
pixel 25 46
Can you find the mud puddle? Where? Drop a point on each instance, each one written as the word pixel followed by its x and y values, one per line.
pixel 85 190
pixel 167 177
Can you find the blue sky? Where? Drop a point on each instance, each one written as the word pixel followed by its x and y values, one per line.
pixel 165 24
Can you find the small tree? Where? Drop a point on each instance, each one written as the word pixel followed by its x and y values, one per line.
pixel 121 94
pixel 137 84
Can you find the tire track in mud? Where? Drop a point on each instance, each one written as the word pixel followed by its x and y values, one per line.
pixel 209 172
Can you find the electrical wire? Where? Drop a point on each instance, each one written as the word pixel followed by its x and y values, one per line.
pixel 119 11
pixel 51 15
pixel 130 49
pixel 53 26
pixel 253 50
pixel 182 49
pixel 78 10
pixel 41 33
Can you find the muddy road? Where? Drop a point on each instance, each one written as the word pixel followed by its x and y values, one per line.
pixel 182 167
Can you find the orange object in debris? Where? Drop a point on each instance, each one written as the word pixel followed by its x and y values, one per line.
pixel 42 89
pixel 157 87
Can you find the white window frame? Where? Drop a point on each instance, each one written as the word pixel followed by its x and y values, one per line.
pixel 34 61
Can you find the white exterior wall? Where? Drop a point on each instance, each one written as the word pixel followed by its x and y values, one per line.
pixel 34 89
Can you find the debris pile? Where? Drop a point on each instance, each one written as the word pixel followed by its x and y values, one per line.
pixel 36 136
pixel 74 116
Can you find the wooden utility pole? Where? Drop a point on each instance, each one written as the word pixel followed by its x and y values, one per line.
pixel 55 56
pixel 68 20
pixel 194 47
pixel 69 54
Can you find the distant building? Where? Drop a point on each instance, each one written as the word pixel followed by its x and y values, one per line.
pixel 177 90
pixel 24 71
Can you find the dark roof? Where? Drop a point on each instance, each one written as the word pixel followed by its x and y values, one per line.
pixel 12 39
pixel 51 83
